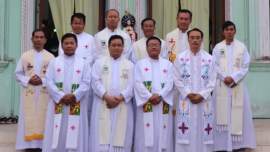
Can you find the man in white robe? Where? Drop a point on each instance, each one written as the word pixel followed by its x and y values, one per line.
pixel 84 49
pixel 101 47
pixel 111 127
pixel 139 48
pixel 153 89
pixel 68 80
pixel 195 78
pixel 30 73
pixel 229 79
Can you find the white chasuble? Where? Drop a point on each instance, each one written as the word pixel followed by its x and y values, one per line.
pixel 34 119
pixel 194 74
pixel 74 114
pixel 238 92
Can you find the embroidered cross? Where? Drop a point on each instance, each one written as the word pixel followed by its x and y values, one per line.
pixel 86 46
pixel 208 129
pixel 183 128
pixel 164 70
pixel 147 125
pixel 58 70
pixel 146 69
pixel 56 126
pixel 78 71
pixel 164 126
pixel 172 41
pixel 72 127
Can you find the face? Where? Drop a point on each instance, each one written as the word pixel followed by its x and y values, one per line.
pixel 77 25
pixel 39 39
pixel 148 28
pixel 195 40
pixel 69 46
pixel 116 48
pixel 183 20
pixel 112 19
pixel 153 48
pixel 229 32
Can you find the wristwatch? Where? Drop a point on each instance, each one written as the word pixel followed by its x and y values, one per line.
pixel 160 97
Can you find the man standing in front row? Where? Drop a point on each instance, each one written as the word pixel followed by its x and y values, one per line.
pixel 233 125
pixel 195 78
pixel 30 74
pixel 101 47
pixel 139 51
pixel 111 127
pixel 68 80
pixel 154 98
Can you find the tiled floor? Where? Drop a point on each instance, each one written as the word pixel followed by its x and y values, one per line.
pixel 262 128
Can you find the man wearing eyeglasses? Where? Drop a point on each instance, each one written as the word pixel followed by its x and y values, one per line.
pixel 111 127
pixel 101 47
pixel 139 48
pixel 153 89
pixel 194 78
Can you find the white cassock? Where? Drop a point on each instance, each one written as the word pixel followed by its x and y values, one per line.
pixel 56 94
pixel 97 50
pixel 142 96
pixel 135 59
pixel 84 50
pixel 223 140
pixel 99 91
pixel 188 78
pixel 23 81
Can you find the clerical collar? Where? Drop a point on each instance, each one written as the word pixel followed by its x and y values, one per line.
pixel 116 59
pixel 38 51
pixel 111 30
pixel 182 31
pixel 153 59
pixel 78 34
pixel 69 57
pixel 198 53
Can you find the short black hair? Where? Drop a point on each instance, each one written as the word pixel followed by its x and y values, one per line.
pixel 148 19
pixel 185 11
pixel 116 37
pixel 195 29
pixel 78 15
pixel 67 35
pixel 227 24
pixel 111 10
pixel 37 30
pixel 153 38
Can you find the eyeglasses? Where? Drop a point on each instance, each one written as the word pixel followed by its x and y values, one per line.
pixel 193 37
pixel 154 45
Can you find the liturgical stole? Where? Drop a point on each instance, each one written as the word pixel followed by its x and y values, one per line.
pixel 237 91
pixel 104 112
pixel 148 121
pixel 183 121
pixel 104 37
pixel 74 114
pixel 34 120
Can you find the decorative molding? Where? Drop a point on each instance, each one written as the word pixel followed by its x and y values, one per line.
pixel 3 65
pixel 228 10
pixel 2 29
pixel 259 66
pixel 264 28
pixel 27 25
pixel 139 13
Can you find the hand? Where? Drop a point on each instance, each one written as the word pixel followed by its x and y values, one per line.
pixel 68 99
pixel 191 96
pixel 120 98
pixel 197 99
pixel 155 100
pixel 111 102
pixel 234 84
pixel 228 80
pixel 35 80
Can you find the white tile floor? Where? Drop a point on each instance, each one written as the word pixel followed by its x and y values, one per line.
pixel 262 129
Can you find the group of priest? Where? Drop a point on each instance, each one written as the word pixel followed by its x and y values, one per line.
pixel 104 94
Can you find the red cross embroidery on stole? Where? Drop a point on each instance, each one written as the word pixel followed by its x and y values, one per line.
pixel 146 69
pixel 86 46
pixel 172 41
pixel 58 70
pixel 147 125
pixel 78 71
pixel 72 127
pixel 56 126
pixel 164 126
pixel 164 70
pixel 208 129
pixel 183 128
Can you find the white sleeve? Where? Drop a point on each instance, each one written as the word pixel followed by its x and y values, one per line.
pixel 164 51
pixel 133 55
pixel 97 86
pixel 60 50
pixel 20 75
pixel 128 92
pixel 128 47
pixel 220 75
pixel 97 53
pixel 90 56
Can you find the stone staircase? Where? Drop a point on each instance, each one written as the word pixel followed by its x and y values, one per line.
pixel 262 128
